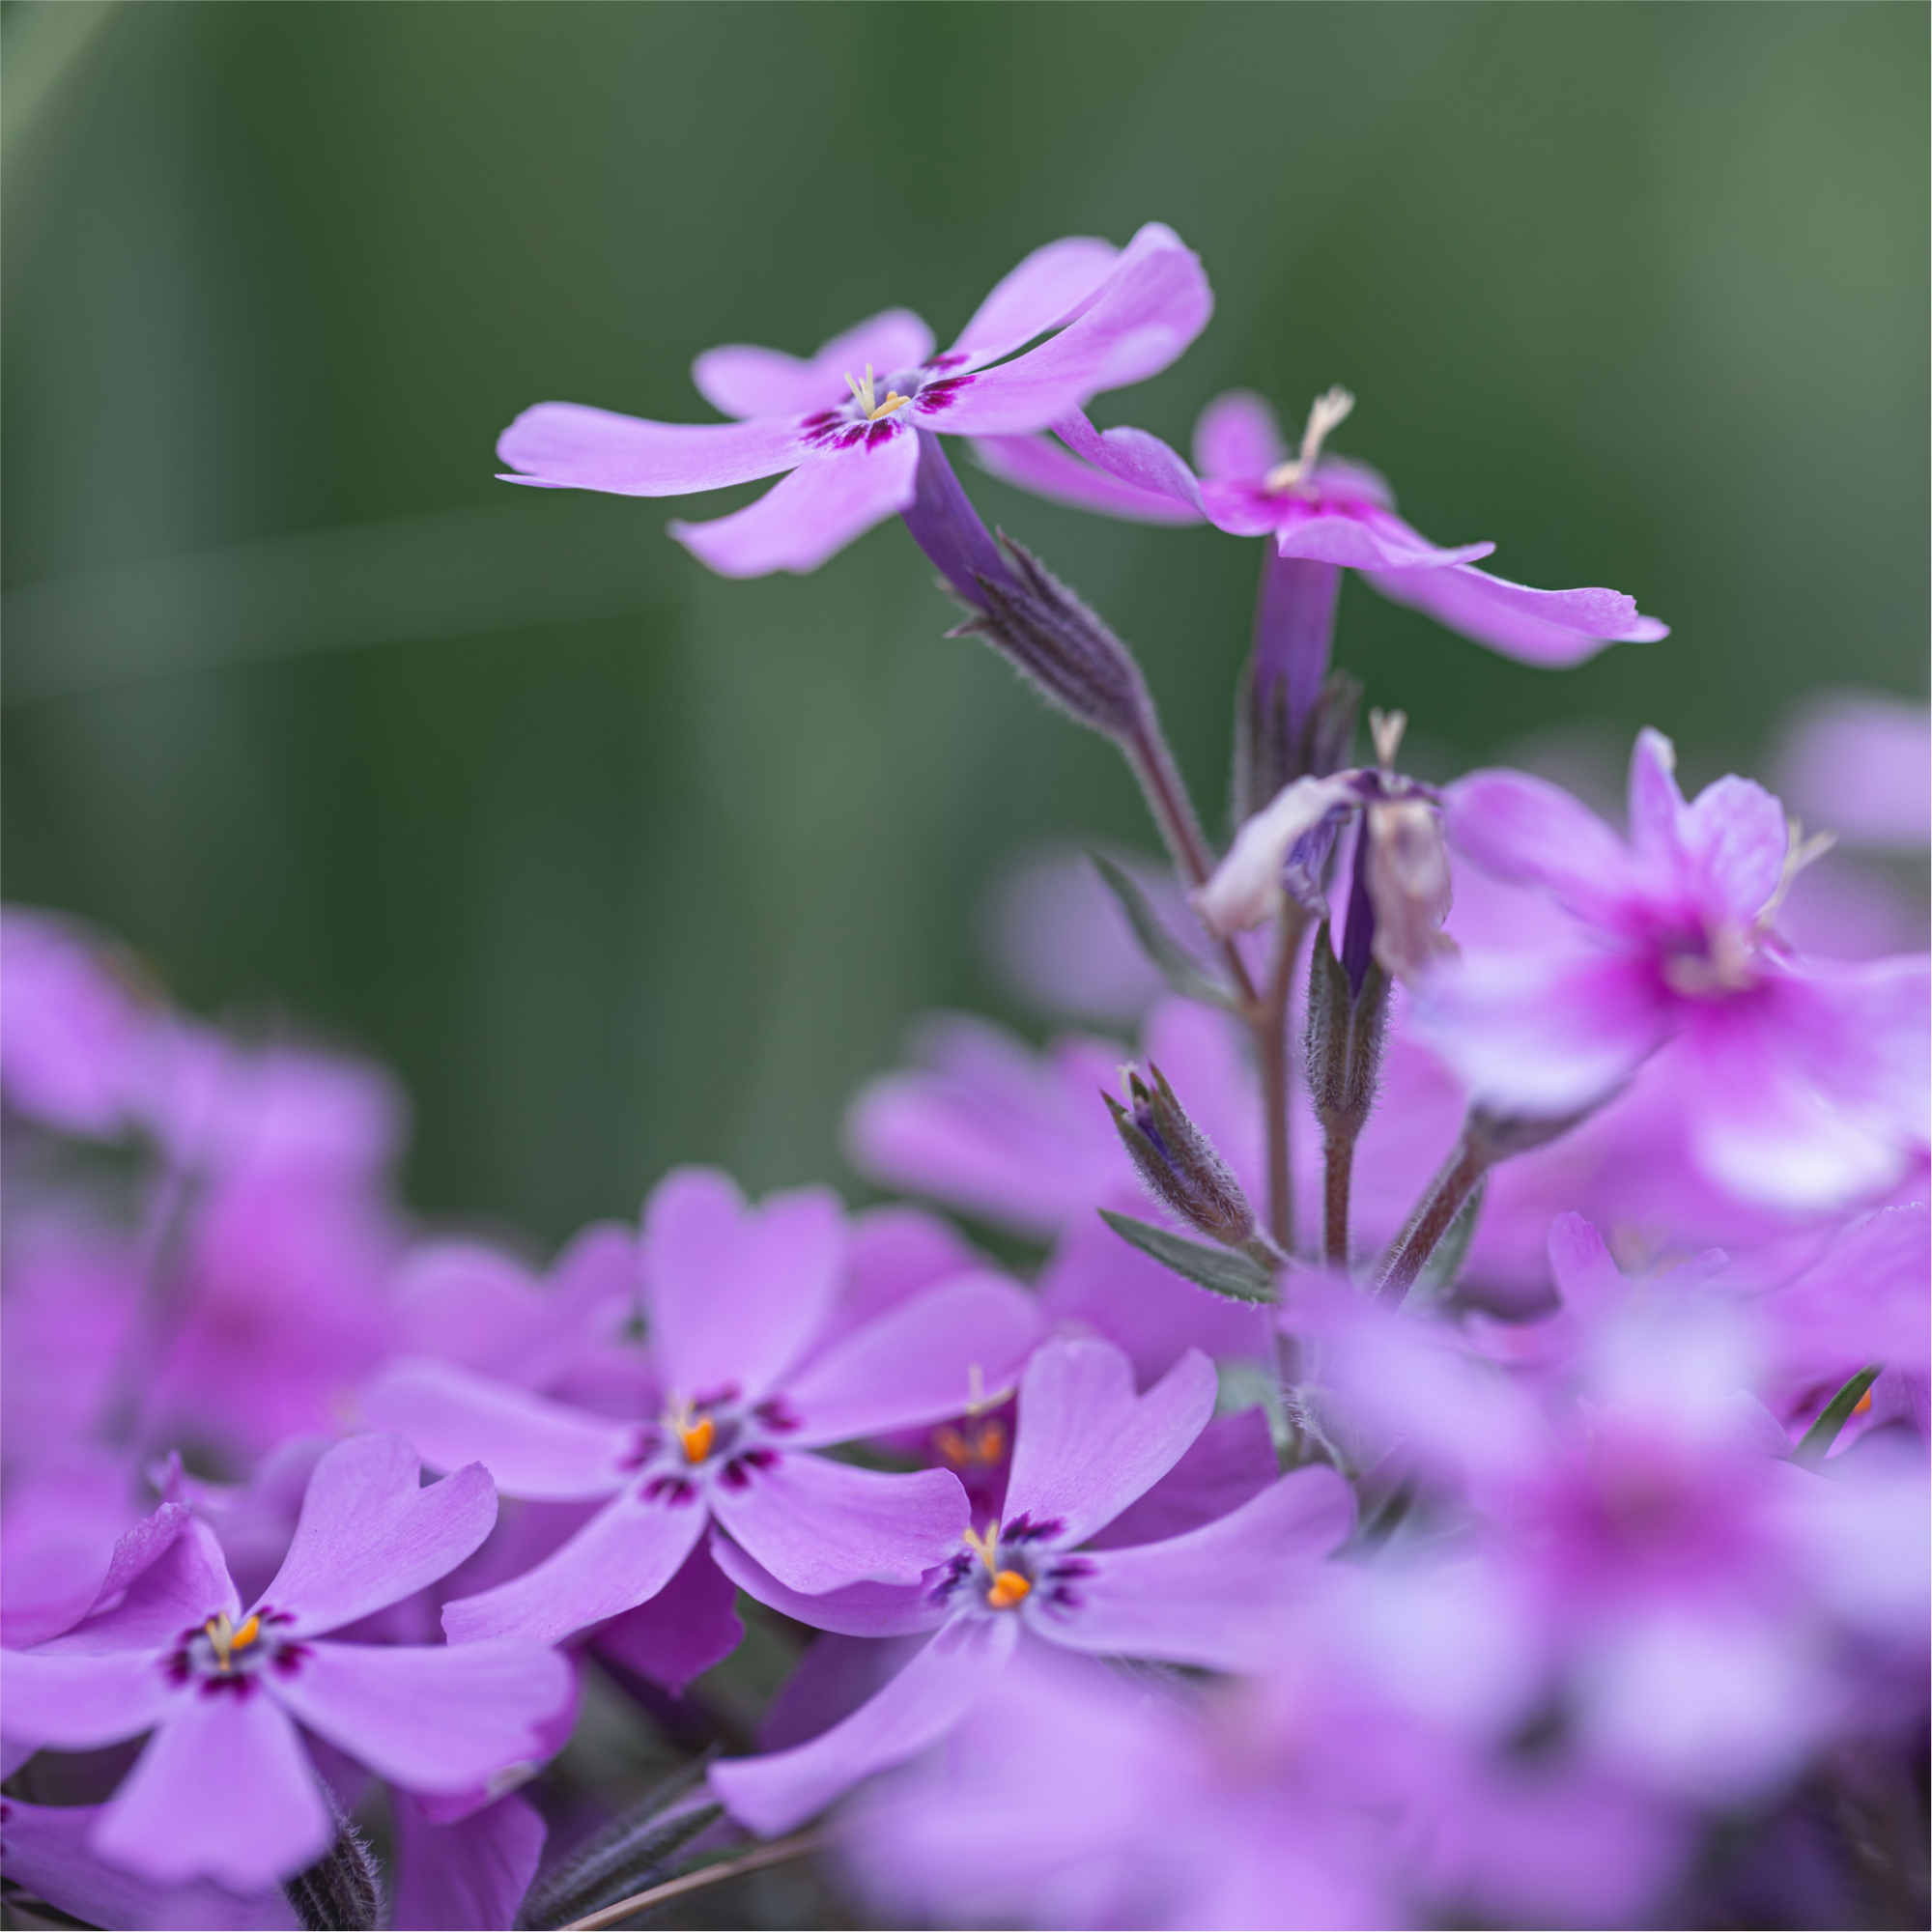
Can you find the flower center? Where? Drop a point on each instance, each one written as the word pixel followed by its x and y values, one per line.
pixel 1328 413
pixel 863 393
pixel 1722 966
pixel 224 1640
pixel 1008 1586
pixel 698 1437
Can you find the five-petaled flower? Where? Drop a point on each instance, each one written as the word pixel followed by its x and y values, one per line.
pixel 750 1382
pixel 847 421
pixel 1086 1448
pixel 223 1789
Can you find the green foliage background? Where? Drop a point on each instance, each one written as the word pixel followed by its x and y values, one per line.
pixel 619 863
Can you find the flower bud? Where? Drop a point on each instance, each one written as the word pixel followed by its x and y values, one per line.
pixel 1179 1164
pixel 1346 1026
pixel 1407 876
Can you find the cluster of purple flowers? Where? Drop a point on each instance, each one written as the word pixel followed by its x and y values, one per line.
pixel 1461 1457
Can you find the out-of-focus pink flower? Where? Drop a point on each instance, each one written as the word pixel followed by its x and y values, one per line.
pixel 846 422
pixel 1802 1083
pixel 1318 509
pixel 1860 765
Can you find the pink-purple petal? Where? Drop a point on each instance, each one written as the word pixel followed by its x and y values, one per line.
pixel 183 1587
pixel 916 1363
pixel 1086 1445
pixel 1734 838
pixel 430 1718
pixel 743 380
pixel 1363 537
pixel 542 1450
pixel 370 1534
pixel 472 1873
pixel 1045 467
pixel 817 1525
pixel 859 1610
pixel 223 1791
pixel 627 1552
pixel 737 1293
pixel 1551 628
pixel 569 447
pixel 1154 303
pixel 919 1705
pixel 64 1700
pixel 1237 437
pixel 1042 293
pixel 678 1634
pixel 1532 832
pixel 833 496
pixel 1203 1598
pixel 1133 457
pixel 1229 1463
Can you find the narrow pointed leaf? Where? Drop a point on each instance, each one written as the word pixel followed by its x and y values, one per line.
pixel 1221 1270
pixel 1817 1440
pixel 1172 960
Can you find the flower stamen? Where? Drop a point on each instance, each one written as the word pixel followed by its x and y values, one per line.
pixel 1009 1587
pixel 1327 414
pixel 987 1549
pixel 864 393
pixel 225 1639
pixel 698 1437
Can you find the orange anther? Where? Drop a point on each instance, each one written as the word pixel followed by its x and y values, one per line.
pixel 953 1446
pixel 991 1444
pixel 1008 1587
pixel 246 1634
pixel 1863 1406
pixel 698 1437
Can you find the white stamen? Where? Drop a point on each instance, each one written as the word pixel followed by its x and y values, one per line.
pixel 1327 414
pixel 1385 728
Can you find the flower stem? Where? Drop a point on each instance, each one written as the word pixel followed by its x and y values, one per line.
pixel 1434 1216
pixel 1338 1153
pixel 1271 1047
pixel 755 1860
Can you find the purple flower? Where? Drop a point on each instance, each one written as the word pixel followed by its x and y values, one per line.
pixel 738 1302
pixel 847 422
pixel 1321 511
pixel 1803 1082
pixel 223 1789
pixel 1087 1447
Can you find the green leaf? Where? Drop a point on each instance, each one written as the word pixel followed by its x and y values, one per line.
pixel 1172 960
pixel 1221 1270
pixel 1819 1437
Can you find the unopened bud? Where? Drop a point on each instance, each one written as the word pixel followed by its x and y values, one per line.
pixel 1178 1163
pixel 1348 1025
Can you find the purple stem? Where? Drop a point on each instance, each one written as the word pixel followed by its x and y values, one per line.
pixel 1294 632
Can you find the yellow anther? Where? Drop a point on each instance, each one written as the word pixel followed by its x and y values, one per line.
pixel 1329 412
pixel 225 1639
pixel 698 1437
pixel 865 395
pixel 1008 1588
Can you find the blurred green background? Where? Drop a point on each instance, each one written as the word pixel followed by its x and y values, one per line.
pixel 619 863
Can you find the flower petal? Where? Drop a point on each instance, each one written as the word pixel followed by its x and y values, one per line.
pixel 47 1850
pixel 1203 1598
pixel 370 1534
pixel 859 1610
pixel 818 1525
pixel 628 1551
pixel 1131 456
pixel 678 1634
pixel 1045 291
pixel 535 1448
pixel 1086 1445
pixel 833 496
pixel 1239 436
pixel 1038 463
pixel 472 1872
pixel 737 1293
pixel 1553 628
pixel 430 1718
pixel 1362 536
pixel 225 1791
pixel 1734 837
pixel 1229 1463
pixel 1532 832
pixel 1246 887
pixel 914 1365
pixel 67 1701
pixel 1153 305
pixel 745 380
pixel 569 447
pixel 183 1587
pixel 918 1707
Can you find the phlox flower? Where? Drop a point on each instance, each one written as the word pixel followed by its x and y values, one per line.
pixel 1801 1081
pixel 1086 1448
pixel 223 1789
pixel 747 1381
pixel 1323 514
pixel 849 422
